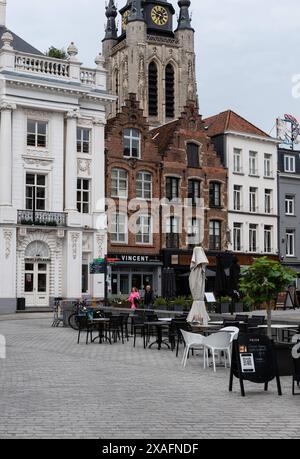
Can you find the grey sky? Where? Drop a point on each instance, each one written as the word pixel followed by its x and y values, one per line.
pixel 247 50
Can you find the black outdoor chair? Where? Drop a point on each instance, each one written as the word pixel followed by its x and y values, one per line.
pixel 254 323
pixel 138 327
pixel 125 317
pixel 241 318
pixel 84 325
pixel 175 335
pixel 149 330
pixel 115 329
pixel 261 320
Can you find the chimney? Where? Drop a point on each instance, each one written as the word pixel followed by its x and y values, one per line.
pixel 2 13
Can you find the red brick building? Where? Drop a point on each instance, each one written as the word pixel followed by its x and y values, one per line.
pixel 176 162
pixel 133 172
pixel 191 169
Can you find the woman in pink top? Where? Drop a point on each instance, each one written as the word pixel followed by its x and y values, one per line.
pixel 134 297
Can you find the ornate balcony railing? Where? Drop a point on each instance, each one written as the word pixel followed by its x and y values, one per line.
pixel 45 66
pixel 38 218
pixel 53 68
pixel 88 76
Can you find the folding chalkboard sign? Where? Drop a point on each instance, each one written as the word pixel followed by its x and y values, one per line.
pixel 254 359
pixel 285 301
pixel 296 378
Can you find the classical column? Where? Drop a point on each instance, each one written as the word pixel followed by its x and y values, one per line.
pixel 98 170
pixel 6 154
pixel 71 162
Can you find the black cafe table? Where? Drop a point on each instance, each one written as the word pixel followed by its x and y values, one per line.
pixel 159 325
pixel 100 323
pixel 206 330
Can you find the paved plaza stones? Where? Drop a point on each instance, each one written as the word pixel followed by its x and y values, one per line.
pixel 53 388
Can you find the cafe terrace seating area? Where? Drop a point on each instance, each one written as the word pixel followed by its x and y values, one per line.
pixel 211 345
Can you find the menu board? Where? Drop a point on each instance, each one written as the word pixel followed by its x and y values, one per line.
pixel 254 359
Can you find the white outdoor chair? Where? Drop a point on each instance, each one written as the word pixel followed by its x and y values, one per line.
pixel 192 341
pixel 234 332
pixel 218 342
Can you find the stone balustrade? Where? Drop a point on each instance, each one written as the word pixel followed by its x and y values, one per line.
pixel 53 68
pixel 44 66
pixel 88 76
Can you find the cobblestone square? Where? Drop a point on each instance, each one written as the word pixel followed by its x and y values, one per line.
pixel 53 388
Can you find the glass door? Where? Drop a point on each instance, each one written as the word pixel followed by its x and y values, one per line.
pixel 37 284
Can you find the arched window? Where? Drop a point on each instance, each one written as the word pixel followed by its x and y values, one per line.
pixel 37 249
pixel 153 89
pixel 119 183
pixel 170 79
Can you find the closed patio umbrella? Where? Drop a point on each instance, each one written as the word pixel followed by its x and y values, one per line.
pixel 197 285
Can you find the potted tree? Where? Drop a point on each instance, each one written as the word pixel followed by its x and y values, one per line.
pixel 262 282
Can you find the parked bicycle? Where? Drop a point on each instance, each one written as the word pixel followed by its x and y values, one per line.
pixel 80 308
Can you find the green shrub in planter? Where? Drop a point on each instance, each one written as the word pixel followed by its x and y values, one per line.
pixel 160 303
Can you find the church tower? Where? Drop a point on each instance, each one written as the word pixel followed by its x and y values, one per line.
pixel 151 58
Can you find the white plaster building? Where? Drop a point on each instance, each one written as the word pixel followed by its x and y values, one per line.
pixel 251 158
pixel 52 214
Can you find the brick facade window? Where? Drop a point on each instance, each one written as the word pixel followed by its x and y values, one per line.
pixel 193 155
pixel 194 231
pixel 132 143
pixel 119 183
pixel 194 191
pixel 119 228
pixel 144 185
pixel 215 227
pixel 172 188
pixel 144 227
pixel 215 194
pixel 172 232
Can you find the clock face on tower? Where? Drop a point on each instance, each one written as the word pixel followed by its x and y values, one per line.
pixel 159 15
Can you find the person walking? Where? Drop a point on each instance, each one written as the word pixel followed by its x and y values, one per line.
pixel 134 299
pixel 149 297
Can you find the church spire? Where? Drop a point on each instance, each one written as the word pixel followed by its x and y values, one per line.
pixel 136 13
pixel 111 14
pixel 184 21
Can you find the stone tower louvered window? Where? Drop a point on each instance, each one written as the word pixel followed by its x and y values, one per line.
pixel 117 92
pixel 170 101
pixel 153 89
